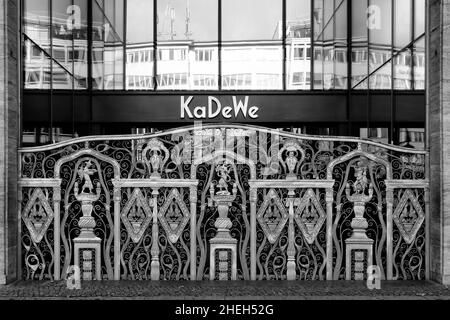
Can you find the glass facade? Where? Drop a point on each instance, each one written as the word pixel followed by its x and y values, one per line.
pixel 214 45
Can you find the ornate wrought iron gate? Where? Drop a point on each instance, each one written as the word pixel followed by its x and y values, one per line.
pixel 223 202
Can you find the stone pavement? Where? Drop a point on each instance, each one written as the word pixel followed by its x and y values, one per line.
pixel 231 290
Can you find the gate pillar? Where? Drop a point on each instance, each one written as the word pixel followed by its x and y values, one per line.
pixel 223 246
pixel 87 244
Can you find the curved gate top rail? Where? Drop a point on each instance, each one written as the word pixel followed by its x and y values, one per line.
pixel 223 201
pixel 225 126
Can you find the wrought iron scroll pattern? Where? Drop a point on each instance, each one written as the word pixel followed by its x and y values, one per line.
pixel 37 256
pixel 409 258
pixel 311 258
pixel 174 256
pixel 277 156
pixel 345 174
pixel 271 257
pixel 71 212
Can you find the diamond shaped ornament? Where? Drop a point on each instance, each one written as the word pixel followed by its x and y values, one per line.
pixel 136 215
pixel 174 215
pixel 310 216
pixel 408 216
pixel 37 215
pixel 272 216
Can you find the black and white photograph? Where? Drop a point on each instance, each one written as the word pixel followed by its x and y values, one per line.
pixel 224 158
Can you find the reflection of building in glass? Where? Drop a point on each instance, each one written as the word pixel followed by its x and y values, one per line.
pixel 190 65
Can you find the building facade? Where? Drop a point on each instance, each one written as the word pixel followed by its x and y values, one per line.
pixel 353 69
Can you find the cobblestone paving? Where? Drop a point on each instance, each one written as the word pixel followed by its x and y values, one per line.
pixel 226 290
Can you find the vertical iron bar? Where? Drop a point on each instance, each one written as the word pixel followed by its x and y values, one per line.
pixel 413 36
pixel 349 63
pixel 368 75
pixel 73 79
pixel 392 105
pixel 155 48
pixel 124 39
pixel 50 134
pixel 311 76
pixel 284 35
pixel 90 61
pixel 219 45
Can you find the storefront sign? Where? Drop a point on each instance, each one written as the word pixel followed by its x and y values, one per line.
pixel 214 108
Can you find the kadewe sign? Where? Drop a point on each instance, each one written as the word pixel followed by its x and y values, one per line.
pixel 214 108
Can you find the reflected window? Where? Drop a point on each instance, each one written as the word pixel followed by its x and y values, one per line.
pixel 252 51
pixel 298 44
pixel 107 44
pixel 330 44
pixel 139 46
pixel 187 35
pixel 413 138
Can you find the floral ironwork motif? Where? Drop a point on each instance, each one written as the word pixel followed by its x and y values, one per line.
pixel 293 203
pixel 136 215
pixel 174 215
pixel 37 215
pixel 272 216
pixel 408 216
pixel 310 216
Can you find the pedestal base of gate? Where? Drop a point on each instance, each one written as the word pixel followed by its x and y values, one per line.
pixel 358 258
pixel 87 257
pixel 223 259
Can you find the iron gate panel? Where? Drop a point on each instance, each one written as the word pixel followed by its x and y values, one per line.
pixel 223 202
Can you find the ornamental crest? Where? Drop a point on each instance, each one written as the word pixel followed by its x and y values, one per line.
pixel 174 215
pixel 408 216
pixel 37 215
pixel 155 156
pixel 136 215
pixel 291 156
pixel 310 216
pixel 272 216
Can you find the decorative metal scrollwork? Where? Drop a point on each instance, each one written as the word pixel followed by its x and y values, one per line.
pixel 173 215
pixel 310 216
pixel 37 215
pixel 291 206
pixel 136 215
pixel 408 216
pixel 272 216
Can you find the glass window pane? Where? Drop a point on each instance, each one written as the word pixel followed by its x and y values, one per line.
pixel 139 48
pixel 298 44
pixel 69 41
pixel 37 67
pixel 359 44
pixel 419 64
pixel 379 24
pixel 413 138
pixel 187 55
pixel 37 22
pixel 257 63
pixel 107 45
pixel 330 44
pixel 419 18
pixel 402 38
pixel 381 79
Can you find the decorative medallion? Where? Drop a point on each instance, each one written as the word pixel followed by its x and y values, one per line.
pixel 37 215
pixel 272 216
pixel 155 156
pixel 310 216
pixel 136 215
pixel 408 216
pixel 174 215
pixel 293 157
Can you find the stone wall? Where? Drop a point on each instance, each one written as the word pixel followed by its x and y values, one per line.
pixel 9 138
pixel 438 104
